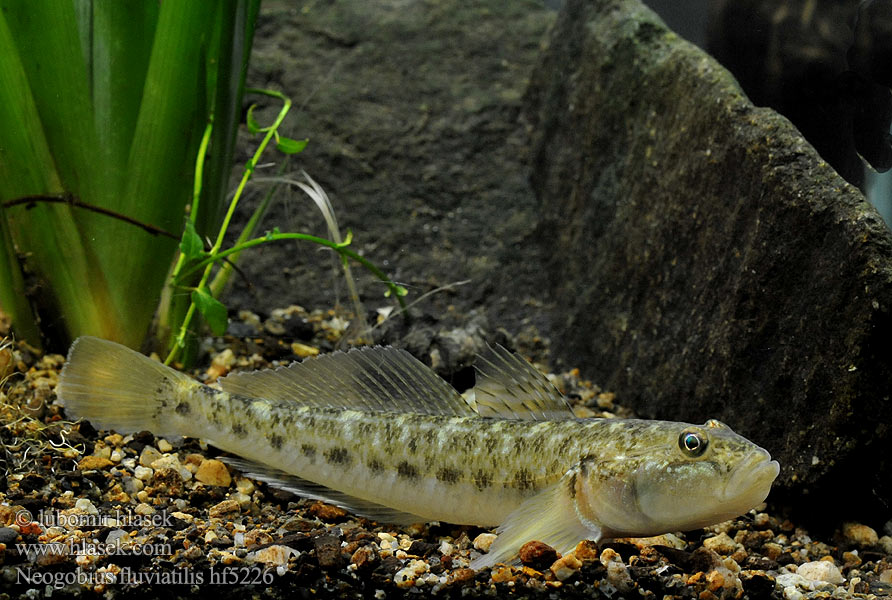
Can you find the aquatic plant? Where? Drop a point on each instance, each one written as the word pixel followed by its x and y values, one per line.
pixel 193 259
pixel 103 108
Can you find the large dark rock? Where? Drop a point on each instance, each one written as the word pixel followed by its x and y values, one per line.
pixel 706 261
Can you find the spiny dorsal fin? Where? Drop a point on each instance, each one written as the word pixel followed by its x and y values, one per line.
pixel 508 387
pixel 308 489
pixel 370 379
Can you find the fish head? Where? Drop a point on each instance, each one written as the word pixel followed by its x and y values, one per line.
pixel 674 477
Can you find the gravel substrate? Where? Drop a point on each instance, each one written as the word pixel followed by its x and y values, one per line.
pixel 85 512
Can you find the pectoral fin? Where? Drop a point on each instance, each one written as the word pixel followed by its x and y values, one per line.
pixel 550 517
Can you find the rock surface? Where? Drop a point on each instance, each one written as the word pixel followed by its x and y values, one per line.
pixel 708 263
pixel 412 114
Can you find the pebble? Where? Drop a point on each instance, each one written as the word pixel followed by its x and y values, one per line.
pixel 328 551
pixel 860 535
pixel 133 485
pixel 89 463
pixel 8 535
pixel 406 577
pixel 617 572
pixel 223 508
pixel 143 473
pixel 243 500
pixel 148 456
pixel 164 445
pixel 144 509
pixel 304 351
pixel 721 544
pixel 221 364
pixel 365 557
pixel 586 551
pixel 484 541
pixel 244 485
pixel 213 472
pixel 565 567
pixel 85 505
pixel 256 537
pixel 793 580
pixel 537 554
pixel 326 512
pixel 820 570
pixel 272 555
pixel 886 544
pixel 172 462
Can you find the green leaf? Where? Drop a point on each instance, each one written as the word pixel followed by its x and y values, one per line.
pixel 190 243
pixel 253 125
pixel 289 146
pixel 211 309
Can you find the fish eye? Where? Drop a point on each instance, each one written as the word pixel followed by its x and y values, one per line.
pixel 692 443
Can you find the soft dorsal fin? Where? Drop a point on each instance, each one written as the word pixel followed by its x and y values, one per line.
pixel 308 489
pixel 509 387
pixel 371 379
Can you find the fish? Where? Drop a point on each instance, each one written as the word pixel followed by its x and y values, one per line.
pixel 375 431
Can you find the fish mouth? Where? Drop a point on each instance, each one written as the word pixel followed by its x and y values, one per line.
pixel 751 481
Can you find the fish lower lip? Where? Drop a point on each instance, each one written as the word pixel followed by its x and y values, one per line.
pixel 758 471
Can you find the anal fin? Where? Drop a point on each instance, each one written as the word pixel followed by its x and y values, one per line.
pixel 308 489
pixel 549 517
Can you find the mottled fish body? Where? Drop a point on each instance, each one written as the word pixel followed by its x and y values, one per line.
pixel 375 431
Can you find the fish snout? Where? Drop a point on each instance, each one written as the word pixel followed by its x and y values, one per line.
pixel 751 480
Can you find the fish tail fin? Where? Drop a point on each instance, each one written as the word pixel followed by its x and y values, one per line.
pixel 117 388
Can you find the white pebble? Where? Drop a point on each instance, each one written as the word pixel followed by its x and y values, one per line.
pixel 791 593
pixel 820 570
pixel 794 580
pixel 143 473
pixel 86 506
pixel 116 456
pixel 164 445
pixel 484 541
pixel 407 576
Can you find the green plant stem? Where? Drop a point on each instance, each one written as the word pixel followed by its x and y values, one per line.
pixel 272 237
pixel 246 176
